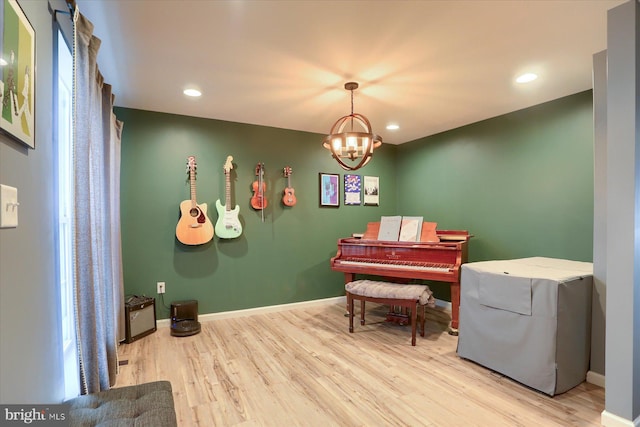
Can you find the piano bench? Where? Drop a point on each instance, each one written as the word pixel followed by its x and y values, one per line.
pixel 410 297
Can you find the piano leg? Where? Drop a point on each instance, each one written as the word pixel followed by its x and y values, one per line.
pixel 455 308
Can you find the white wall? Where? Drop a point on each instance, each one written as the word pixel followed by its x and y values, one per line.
pixel 622 394
pixel 30 358
pixel 598 306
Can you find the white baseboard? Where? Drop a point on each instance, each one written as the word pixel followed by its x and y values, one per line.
pixel 443 304
pixel 275 308
pixel 607 419
pixel 595 379
pixel 261 310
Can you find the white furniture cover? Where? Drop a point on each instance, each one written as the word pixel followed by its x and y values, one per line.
pixel 529 319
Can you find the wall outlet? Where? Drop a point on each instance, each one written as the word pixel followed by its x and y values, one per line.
pixel 161 287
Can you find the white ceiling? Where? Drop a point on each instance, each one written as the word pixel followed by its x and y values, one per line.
pixel 428 66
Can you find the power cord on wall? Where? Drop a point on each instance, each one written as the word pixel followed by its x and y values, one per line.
pixel 163 304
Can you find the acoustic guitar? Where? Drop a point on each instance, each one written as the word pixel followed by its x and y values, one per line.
pixel 194 226
pixel 228 225
pixel 289 198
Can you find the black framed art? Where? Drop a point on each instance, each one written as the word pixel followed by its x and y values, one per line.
pixel 352 189
pixel 329 189
pixel 371 190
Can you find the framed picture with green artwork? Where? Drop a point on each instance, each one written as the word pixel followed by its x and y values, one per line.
pixel 17 73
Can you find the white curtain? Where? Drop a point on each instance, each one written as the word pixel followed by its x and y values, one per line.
pixel 97 249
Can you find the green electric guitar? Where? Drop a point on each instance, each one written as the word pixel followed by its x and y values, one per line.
pixel 228 226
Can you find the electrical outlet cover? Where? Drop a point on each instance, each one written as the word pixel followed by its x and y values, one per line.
pixel 8 206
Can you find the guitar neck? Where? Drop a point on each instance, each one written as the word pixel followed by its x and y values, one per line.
pixel 260 179
pixel 227 197
pixel 192 183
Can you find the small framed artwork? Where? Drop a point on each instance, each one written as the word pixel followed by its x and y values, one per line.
pixel 352 189
pixel 371 190
pixel 17 74
pixel 329 189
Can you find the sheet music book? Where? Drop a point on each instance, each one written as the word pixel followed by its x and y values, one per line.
pixel 429 233
pixel 389 228
pixel 411 228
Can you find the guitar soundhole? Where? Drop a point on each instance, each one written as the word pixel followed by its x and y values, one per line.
pixel 194 212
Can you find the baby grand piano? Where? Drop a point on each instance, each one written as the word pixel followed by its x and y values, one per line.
pixel 438 257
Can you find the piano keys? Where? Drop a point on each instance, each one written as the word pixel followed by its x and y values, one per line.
pixel 437 259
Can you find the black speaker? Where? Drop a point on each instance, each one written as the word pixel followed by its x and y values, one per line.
pixel 184 318
pixel 140 317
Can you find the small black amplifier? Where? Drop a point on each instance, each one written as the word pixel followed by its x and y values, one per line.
pixel 140 317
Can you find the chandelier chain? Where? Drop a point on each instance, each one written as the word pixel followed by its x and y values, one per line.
pixel 351 110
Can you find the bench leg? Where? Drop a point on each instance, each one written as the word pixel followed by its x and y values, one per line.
pixel 412 305
pixel 350 309
pixel 414 315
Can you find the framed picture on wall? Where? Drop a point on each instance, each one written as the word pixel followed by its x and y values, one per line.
pixel 329 189
pixel 371 190
pixel 352 189
pixel 17 73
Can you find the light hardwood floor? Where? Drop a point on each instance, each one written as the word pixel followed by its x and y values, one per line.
pixel 303 368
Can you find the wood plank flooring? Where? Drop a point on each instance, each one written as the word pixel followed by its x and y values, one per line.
pixel 303 368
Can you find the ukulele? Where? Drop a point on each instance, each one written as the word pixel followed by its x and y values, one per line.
pixel 258 201
pixel 289 198
pixel 228 226
pixel 194 226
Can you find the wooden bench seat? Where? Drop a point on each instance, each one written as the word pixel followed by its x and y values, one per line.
pixel 411 297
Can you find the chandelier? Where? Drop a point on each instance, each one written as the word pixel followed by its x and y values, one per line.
pixel 347 146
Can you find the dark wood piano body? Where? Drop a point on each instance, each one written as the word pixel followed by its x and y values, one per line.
pixel 426 260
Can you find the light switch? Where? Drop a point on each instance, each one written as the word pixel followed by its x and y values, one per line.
pixel 8 206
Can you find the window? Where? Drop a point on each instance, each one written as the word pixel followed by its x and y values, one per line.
pixel 63 117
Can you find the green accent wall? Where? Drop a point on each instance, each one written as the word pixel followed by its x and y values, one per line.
pixel 282 260
pixel 521 183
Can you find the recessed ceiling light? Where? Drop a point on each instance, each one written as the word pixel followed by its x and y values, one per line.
pixel 393 127
pixel 192 92
pixel 526 78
